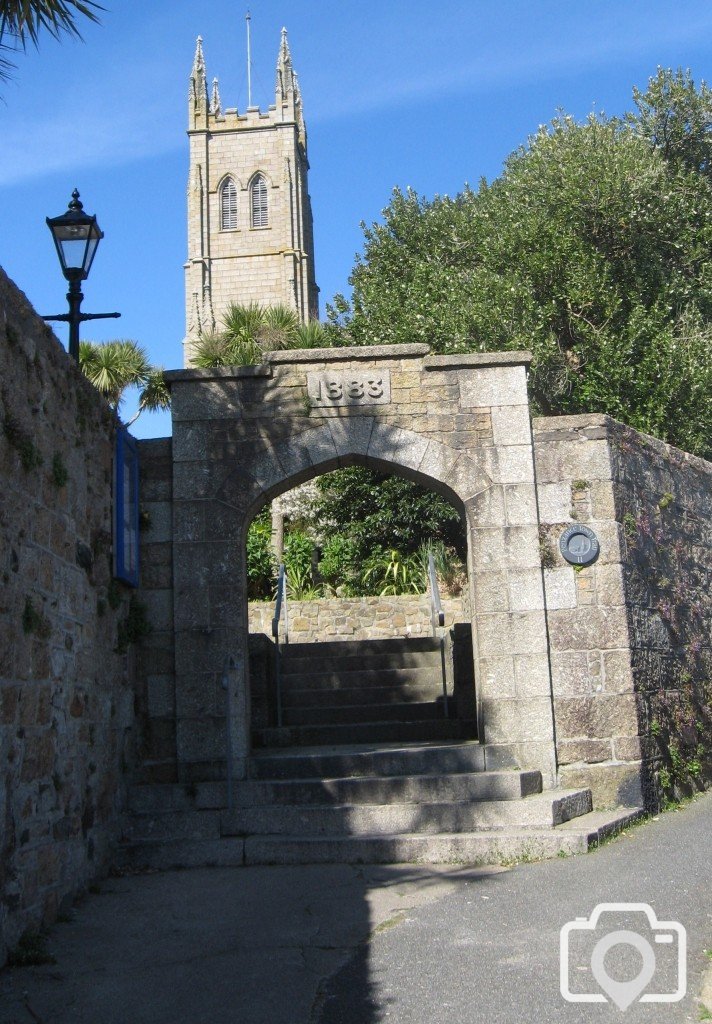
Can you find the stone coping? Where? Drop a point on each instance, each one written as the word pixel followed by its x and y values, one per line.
pixel 355 352
pixel 360 353
pixel 585 419
pixel 601 425
pixel 469 359
pixel 217 373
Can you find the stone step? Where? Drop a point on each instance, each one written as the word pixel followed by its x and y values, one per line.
pixel 318 677
pixel 507 785
pixel 165 797
pixel 173 824
pixel 328 714
pixel 315 763
pixel 541 811
pixel 424 690
pixel 476 848
pixel 377 732
pixel 361 648
pixel 369 760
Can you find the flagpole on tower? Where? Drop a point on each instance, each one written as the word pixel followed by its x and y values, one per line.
pixel 249 62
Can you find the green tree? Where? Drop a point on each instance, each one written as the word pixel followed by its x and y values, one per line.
pixel 592 249
pixel 23 21
pixel 372 513
pixel 675 118
pixel 115 366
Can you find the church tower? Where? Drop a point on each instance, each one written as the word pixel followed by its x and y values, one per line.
pixel 250 236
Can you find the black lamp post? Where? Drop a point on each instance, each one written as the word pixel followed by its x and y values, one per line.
pixel 76 235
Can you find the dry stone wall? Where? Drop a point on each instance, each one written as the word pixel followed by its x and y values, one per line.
pixel 66 703
pixel 358 618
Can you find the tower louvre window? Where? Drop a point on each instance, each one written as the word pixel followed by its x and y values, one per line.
pixel 258 199
pixel 228 205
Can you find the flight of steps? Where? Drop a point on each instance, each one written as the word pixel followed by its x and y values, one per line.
pixel 366 803
pixel 363 691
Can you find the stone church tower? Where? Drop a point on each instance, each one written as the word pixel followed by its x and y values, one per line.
pixel 250 236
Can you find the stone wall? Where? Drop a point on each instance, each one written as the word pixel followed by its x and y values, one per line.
pixel 625 626
pixel 66 711
pixel 155 685
pixel 664 505
pixel 358 618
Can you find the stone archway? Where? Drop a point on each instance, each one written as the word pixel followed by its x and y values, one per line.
pixel 457 424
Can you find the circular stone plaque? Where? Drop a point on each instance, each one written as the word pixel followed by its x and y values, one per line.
pixel 579 545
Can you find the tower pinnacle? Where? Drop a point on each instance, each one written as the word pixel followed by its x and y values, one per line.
pixel 198 92
pixel 284 83
pixel 215 104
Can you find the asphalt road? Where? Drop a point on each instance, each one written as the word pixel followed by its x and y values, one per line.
pixel 489 951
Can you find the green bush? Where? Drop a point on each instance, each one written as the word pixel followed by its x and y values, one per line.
pixel 260 559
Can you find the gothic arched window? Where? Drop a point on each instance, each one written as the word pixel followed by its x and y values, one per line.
pixel 228 205
pixel 258 202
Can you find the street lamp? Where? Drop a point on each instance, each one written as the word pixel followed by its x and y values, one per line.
pixel 76 236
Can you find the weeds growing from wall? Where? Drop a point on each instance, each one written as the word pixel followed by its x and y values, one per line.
pixel 60 474
pixel 34 621
pixel 21 441
pixel 134 626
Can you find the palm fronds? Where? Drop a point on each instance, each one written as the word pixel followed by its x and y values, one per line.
pixel 114 366
pixel 22 21
pixel 311 335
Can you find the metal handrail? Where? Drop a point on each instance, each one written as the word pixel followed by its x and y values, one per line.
pixel 437 619
pixel 281 601
pixel 228 667
pixel 437 615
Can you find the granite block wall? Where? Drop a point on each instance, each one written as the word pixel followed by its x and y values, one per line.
pixel 155 684
pixel 66 700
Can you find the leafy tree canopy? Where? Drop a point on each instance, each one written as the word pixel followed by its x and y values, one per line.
pixel 592 249
pixel 375 511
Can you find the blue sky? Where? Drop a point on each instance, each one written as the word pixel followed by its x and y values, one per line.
pixel 395 93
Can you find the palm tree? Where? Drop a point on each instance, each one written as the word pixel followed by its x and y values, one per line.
pixel 250 331
pixel 21 21
pixel 115 366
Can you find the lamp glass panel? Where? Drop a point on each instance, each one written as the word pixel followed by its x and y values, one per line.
pixel 91 250
pixel 73 251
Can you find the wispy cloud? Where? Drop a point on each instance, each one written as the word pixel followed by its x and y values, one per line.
pixel 59 144
pixel 114 117
pixel 500 67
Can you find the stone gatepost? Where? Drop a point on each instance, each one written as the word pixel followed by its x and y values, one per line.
pixel 457 424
